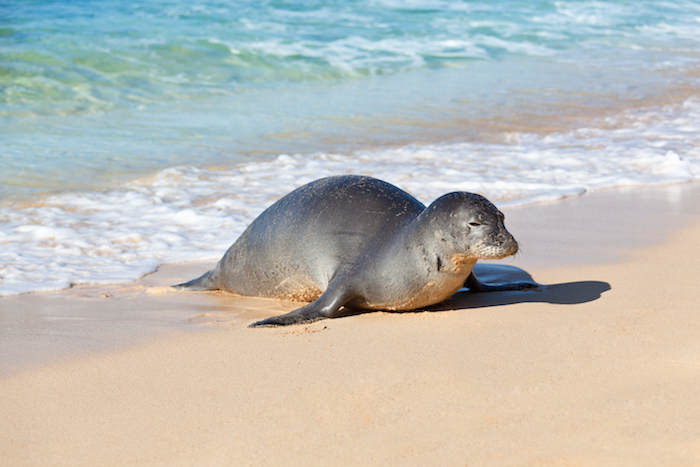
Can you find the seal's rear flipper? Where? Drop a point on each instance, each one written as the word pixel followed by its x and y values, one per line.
pixel 206 282
pixel 475 285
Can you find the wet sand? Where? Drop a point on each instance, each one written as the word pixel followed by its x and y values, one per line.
pixel 600 366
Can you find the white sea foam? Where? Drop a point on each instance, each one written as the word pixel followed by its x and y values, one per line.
pixel 187 213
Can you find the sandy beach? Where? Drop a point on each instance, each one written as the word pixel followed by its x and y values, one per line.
pixel 600 366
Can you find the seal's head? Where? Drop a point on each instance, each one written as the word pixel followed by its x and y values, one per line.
pixel 472 226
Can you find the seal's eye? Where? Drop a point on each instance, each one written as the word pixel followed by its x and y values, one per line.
pixel 474 224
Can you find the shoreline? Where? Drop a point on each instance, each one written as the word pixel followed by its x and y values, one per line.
pixel 185 213
pixel 600 227
pixel 598 368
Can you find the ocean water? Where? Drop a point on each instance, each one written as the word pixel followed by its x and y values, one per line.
pixel 139 133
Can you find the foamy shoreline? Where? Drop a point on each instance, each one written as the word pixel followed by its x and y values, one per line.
pixel 187 213
pixel 599 370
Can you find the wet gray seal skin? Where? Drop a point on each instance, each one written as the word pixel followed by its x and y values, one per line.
pixel 361 243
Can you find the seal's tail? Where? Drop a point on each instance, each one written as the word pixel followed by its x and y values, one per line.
pixel 206 282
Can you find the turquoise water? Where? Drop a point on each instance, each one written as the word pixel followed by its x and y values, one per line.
pixel 95 93
pixel 142 132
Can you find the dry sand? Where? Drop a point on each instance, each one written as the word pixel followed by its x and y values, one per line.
pixel 599 367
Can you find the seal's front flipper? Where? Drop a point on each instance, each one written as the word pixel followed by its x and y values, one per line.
pixel 475 285
pixel 307 314
pixel 324 307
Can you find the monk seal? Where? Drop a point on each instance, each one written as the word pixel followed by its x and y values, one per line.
pixel 358 242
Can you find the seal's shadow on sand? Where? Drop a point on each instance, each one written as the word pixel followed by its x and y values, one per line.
pixel 567 293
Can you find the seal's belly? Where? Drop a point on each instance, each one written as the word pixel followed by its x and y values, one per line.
pixel 433 290
pixel 429 295
pixel 299 289
pixel 296 287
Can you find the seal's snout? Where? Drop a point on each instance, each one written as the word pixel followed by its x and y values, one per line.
pixel 507 242
pixel 510 248
pixel 497 245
